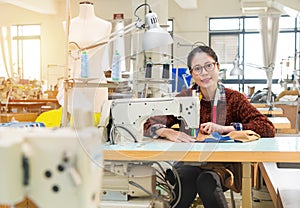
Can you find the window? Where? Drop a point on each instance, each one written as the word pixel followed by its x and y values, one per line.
pixel 247 45
pixel 4 33
pixel 26 51
pixel 227 24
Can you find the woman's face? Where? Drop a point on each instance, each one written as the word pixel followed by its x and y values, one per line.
pixel 205 71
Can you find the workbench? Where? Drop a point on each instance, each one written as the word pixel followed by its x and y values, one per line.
pixel 279 149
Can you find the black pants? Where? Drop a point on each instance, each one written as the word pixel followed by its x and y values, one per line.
pixel 206 183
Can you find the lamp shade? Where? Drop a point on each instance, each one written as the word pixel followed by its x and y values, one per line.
pixel 155 36
pixel 236 69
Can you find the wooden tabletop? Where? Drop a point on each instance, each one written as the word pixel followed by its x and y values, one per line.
pixel 30 105
pixel 24 117
pixel 280 122
pixel 23 103
pixel 35 100
pixel 280 149
pixel 273 111
pixel 21 107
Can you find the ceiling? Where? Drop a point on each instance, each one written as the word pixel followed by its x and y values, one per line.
pixel 187 4
pixel 40 6
pixel 291 7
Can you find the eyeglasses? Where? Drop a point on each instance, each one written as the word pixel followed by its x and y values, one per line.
pixel 208 67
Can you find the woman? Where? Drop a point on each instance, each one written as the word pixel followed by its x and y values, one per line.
pixel 220 108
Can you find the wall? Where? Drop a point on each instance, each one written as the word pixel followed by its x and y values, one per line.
pixel 52 35
pixel 190 25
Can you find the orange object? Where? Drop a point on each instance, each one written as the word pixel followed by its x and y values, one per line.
pixel 8 117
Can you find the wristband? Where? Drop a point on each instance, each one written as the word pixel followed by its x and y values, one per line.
pixel 237 126
pixel 154 128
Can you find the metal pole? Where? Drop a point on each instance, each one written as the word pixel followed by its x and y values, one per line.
pixel 66 73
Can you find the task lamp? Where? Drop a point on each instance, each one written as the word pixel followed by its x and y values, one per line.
pixel 236 68
pixel 153 37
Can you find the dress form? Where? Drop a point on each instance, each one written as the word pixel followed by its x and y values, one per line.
pixel 85 30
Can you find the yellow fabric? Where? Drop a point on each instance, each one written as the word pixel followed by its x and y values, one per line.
pixel 96 119
pixel 51 118
pixel 244 135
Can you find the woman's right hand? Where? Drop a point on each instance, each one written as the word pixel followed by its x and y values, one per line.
pixel 174 136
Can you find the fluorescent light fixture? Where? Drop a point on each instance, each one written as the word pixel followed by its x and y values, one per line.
pixel 254 6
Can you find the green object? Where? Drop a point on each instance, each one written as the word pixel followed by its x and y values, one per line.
pixel 116 67
pixel 85 72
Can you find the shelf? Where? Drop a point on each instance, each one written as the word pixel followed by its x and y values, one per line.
pixel 86 82
pixel 156 81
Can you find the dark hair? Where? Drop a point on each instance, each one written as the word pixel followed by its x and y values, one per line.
pixel 201 49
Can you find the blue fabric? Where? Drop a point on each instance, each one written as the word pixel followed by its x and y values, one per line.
pixel 216 137
pixel 22 124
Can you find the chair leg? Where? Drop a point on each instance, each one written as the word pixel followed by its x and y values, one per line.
pixel 232 199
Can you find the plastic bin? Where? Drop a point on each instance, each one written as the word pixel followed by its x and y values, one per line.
pixel 183 80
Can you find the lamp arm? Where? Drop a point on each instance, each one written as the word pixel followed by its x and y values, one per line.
pixel 137 24
pixel 112 36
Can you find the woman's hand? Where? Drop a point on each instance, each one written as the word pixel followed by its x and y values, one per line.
pixel 210 127
pixel 174 136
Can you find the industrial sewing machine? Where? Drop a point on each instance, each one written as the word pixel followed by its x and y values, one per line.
pixel 129 115
pixel 62 167
pixel 130 184
pixel 52 167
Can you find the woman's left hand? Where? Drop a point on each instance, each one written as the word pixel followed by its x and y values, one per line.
pixel 210 127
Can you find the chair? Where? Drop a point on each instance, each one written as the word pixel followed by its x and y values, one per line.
pixel 51 118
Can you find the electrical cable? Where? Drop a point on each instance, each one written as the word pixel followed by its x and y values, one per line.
pixel 178 182
pixel 113 130
pixel 129 132
pixel 146 191
pixel 164 183
pixel 111 135
pixel 160 166
pixel 150 11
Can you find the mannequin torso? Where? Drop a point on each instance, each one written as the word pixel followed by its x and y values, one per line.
pixel 85 30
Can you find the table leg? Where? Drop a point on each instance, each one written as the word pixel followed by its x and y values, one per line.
pixel 246 186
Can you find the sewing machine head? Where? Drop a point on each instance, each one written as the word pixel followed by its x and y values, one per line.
pixel 129 115
pixel 52 167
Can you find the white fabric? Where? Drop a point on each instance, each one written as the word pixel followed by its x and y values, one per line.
pixel 269 32
pixel 5 45
pixel 119 43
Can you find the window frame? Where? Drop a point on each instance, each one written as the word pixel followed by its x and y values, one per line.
pixel 240 81
pixel 18 50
